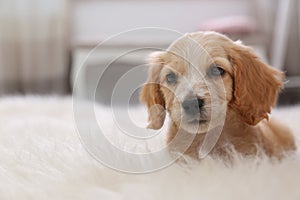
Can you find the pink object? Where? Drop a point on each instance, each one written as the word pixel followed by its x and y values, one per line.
pixel 230 25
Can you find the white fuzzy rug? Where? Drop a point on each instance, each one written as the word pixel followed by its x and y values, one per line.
pixel 41 157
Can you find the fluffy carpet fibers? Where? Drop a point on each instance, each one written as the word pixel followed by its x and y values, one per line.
pixel 41 157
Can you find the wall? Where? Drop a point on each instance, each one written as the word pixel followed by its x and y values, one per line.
pixel 94 19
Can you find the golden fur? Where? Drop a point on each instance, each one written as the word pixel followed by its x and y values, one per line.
pixel 240 100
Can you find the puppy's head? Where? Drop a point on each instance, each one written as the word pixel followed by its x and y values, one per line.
pixel 203 74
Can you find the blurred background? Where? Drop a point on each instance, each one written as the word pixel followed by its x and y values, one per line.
pixel 44 42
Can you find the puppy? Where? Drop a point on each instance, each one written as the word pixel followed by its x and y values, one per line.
pixel 212 86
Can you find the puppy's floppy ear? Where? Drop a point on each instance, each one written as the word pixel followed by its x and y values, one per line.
pixel 151 94
pixel 256 84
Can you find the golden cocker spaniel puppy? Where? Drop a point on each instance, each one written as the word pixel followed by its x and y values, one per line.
pixel 205 81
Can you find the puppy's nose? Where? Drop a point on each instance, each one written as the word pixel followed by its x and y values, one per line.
pixel 192 106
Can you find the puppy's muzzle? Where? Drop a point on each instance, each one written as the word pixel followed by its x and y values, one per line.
pixel 192 106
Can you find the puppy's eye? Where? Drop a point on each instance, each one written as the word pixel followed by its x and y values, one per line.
pixel 214 70
pixel 171 78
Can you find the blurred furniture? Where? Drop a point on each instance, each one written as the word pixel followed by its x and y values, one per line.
pixel 283 33
pixel 97 70
pixel 87 68
pixel 90 25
